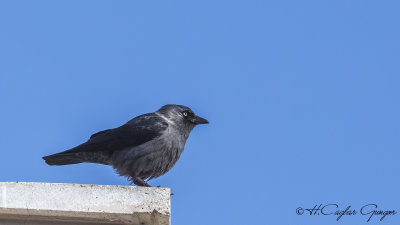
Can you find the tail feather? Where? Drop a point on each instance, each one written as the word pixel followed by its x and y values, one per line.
pixel 63 159
pixel 68 157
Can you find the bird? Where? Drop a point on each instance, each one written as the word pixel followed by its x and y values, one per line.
pixel 144 148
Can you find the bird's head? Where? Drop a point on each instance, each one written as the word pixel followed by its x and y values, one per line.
pixel 182 115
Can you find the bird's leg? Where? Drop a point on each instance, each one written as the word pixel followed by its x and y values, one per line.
pixel 139 182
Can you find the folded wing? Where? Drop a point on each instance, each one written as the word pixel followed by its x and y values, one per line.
pixel 101 145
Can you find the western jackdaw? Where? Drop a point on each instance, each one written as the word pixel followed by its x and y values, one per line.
pixel 143 148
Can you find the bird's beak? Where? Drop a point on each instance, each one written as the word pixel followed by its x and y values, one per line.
pixel 198 120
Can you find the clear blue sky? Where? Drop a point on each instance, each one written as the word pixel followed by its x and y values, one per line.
pixel 302 96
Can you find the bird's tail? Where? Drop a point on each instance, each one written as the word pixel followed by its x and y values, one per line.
pixel 73 157
pixel 63 159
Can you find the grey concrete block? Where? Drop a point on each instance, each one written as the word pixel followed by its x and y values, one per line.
pixel 52 203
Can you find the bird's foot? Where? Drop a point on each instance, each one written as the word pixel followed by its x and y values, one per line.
pixel 139 182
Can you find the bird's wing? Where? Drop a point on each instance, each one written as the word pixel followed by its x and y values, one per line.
pixel 100 132
pixel 137 131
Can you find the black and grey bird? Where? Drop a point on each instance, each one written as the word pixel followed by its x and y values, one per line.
pixel 145 147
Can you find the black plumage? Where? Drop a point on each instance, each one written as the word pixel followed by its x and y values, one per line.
pixel 145 147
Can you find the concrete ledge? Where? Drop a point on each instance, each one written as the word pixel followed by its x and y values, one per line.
pixel 50 203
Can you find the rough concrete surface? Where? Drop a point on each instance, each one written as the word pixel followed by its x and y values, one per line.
pixel 53 203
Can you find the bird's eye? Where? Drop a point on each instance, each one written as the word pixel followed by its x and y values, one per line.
pixel 184 113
